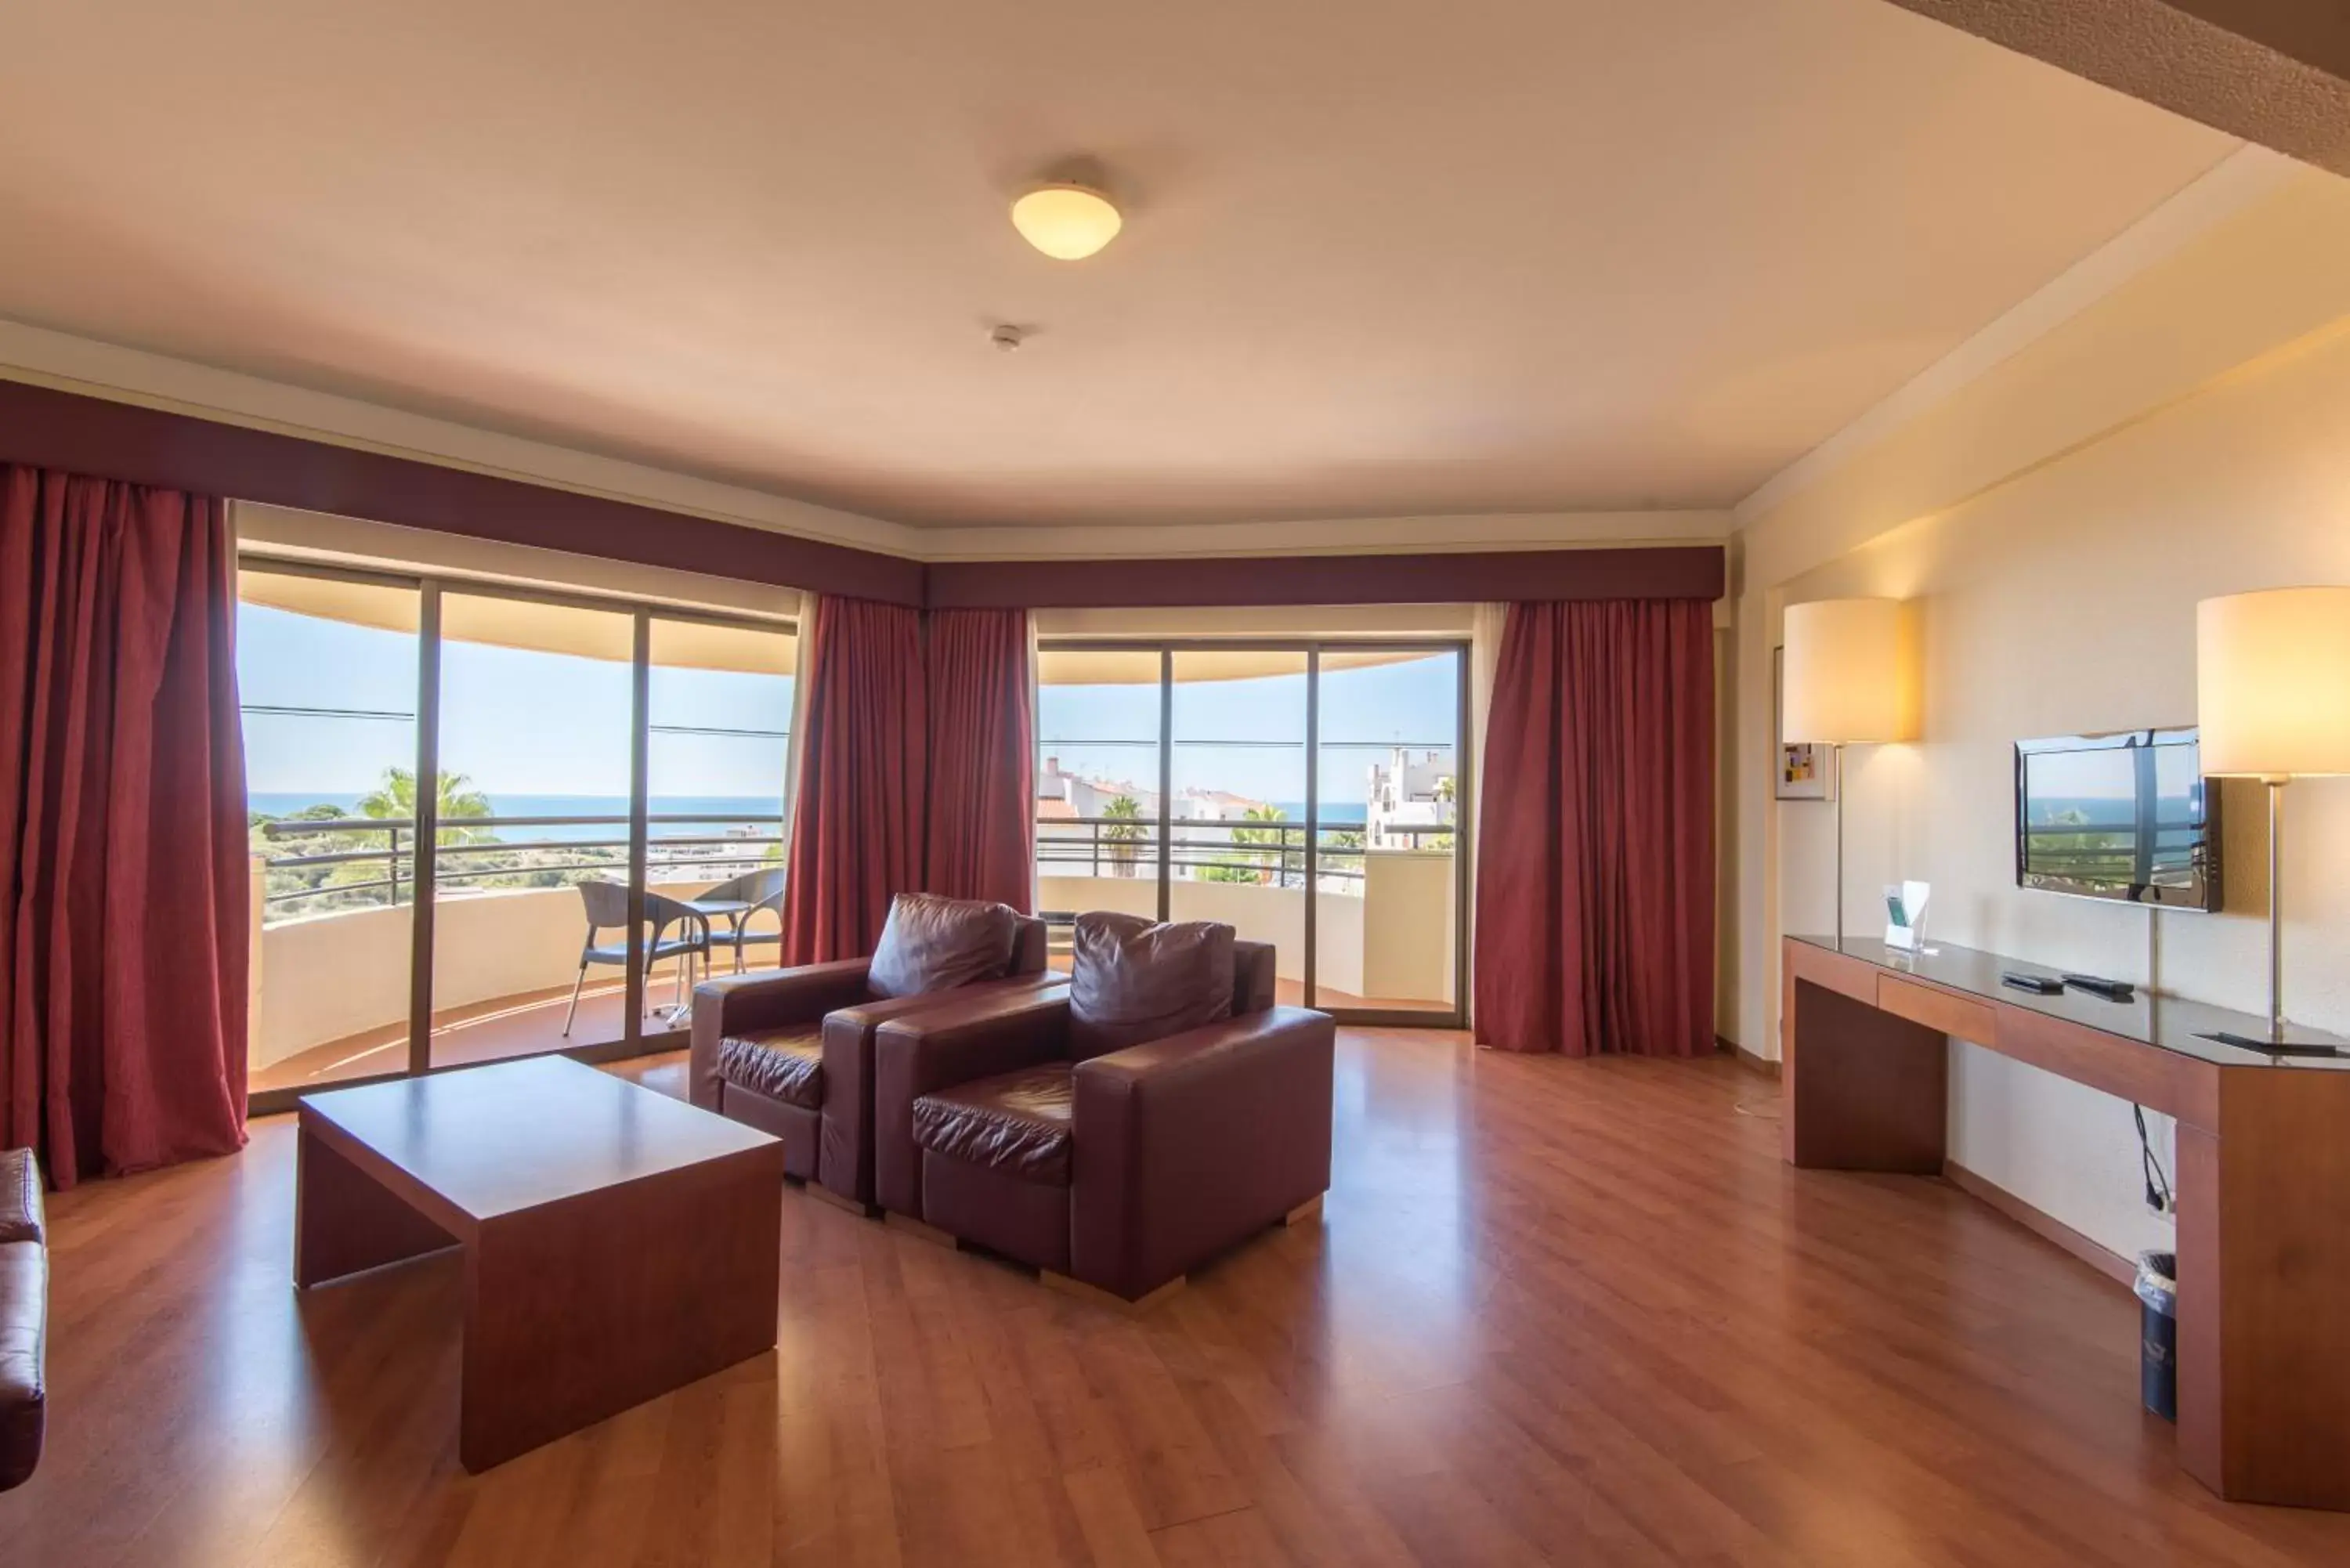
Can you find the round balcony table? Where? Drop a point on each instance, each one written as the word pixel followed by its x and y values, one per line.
pixel 730 910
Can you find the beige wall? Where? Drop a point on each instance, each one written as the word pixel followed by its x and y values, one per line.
pixel 2057 595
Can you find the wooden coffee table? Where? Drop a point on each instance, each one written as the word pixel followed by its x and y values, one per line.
pixel 619 1243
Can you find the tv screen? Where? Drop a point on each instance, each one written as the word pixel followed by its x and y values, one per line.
pixel 2128 816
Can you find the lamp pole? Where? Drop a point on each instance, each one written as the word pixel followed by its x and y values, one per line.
pixel 2276 907
pixel 1836 752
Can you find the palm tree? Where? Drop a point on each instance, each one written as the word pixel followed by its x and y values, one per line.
pixel 1272 836
pixel 455 799
pixel 1446 793
pixel 1123 833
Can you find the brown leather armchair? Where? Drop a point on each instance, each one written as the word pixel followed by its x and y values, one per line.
pixel 790 1052
pixel 1123 1169
pixel 24 1316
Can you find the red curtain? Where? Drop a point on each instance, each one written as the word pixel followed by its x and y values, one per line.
pixel 983 757
pixel 856 826
pixel 124 891
pixel 1595 854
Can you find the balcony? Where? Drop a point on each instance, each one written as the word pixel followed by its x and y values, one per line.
pixel 1383 913
pixel 333 906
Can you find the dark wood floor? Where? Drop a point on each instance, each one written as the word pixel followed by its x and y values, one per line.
pixel 1557 1312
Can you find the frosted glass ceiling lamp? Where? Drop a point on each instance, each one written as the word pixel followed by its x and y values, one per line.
pixel 2273 702
pixel 1848 669
pixel 1067 222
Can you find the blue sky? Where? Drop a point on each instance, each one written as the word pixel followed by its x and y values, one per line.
pixel 519 722
pixel 1249 736
pixel 515 722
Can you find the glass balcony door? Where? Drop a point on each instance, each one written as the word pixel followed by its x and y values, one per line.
pixel 1101 784
pixel 327 670
pixel 1388 878
pixel 587 759
pixel 1309 794
pixel 1239 806
pixel 536 763
pixel 718 750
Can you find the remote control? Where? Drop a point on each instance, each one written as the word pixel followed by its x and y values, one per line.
pixel 2046 984
pixel 2273 1047
pixel 2098 985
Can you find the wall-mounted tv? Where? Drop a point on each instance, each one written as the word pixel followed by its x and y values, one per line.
pixel 2126 816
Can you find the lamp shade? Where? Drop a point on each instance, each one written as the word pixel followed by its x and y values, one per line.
pixel 2272 683
pixel 1067 222
pixel 1849 668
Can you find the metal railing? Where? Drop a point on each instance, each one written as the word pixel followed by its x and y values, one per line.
pixel 469 852
pixel 1239 850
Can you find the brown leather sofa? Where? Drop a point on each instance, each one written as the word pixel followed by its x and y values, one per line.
pixel 1120 1130
pixel 790 1052
pixel 24 1316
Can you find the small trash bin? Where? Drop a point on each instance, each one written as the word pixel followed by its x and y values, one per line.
pixel 2157 1295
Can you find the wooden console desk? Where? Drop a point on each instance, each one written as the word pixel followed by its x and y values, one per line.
pixel 2262 1177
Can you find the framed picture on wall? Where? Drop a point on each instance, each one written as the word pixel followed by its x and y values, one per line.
pixel 1802 769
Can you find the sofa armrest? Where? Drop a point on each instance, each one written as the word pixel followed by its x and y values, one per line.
pixel 738 1003
pixel 23 1328
pixel 1188 1145
pixel 845 1165
pixel 971 1037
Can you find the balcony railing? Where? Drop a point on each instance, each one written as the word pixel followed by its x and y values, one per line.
pixel 1239 850
pixel 470 853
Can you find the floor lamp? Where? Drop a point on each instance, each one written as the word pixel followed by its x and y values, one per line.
pixel 2273 702
pixel 1848 666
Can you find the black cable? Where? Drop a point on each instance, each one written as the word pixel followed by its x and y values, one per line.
pixel 2158 1185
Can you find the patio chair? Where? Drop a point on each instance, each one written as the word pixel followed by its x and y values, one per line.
pixel 736 900
pixel 607 909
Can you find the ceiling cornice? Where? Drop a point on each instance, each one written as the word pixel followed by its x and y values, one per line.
pixel 66 363
pixel 2232 185
pixel 39 357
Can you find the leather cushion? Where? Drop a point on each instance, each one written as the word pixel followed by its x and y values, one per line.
pixel 1132 979
pixel 931 943
pixel 20 1198
pixel 1018 1122
pixel 784 1064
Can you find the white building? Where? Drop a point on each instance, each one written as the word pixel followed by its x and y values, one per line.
pixel 1410 790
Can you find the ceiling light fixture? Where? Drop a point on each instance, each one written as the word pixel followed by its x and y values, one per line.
pixel 1067 222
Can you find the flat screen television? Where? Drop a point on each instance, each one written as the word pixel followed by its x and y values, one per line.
pixel 2126 816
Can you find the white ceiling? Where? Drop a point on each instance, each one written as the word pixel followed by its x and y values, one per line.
pixel 1382 256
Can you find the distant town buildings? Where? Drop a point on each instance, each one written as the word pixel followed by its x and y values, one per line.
pixel 1079 823
pixel 1410 792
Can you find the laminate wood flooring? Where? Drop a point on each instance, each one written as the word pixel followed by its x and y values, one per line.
pixel 1556 1312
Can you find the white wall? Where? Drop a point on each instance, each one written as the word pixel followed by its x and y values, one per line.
pixel 1393 941
pixel 328 977
pixel 2061 602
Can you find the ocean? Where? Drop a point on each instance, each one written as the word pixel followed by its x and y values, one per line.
pixel 284 803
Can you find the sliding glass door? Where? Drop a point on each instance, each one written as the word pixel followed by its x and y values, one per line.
pixel 718 746
pixel 530 949
pixel 1101 716
pixel 491 823
pixel 1308 794
pixel 1387 761
pixel 327 672
pixel 1239 806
